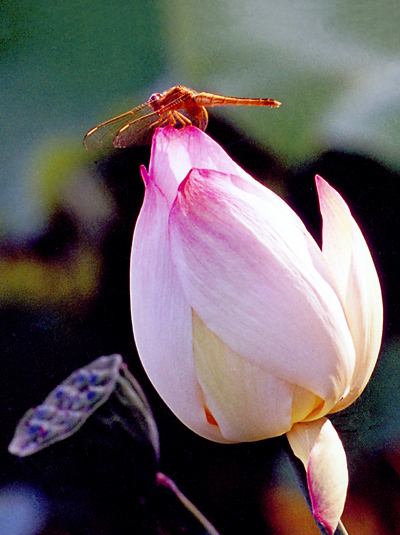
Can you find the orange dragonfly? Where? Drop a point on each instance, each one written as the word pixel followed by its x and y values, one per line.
pixel 179 107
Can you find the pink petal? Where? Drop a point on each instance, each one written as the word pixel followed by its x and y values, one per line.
pixel 320 449
pixel 175 152
pixel 347 253
pixel 255 277
pixel 162 317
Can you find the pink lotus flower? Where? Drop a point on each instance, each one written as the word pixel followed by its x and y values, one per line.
pixel 245 327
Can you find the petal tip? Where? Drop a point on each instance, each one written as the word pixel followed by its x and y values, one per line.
pixel 321 183
pixel 321 517
pixel 320 449
pixel 145 175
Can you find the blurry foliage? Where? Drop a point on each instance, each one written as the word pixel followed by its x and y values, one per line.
pixel 63 67
pixel 342 56
pixel 62 265
pixel 76 37
pixel 369 24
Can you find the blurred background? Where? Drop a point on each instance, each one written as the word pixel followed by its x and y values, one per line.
pixel 67 219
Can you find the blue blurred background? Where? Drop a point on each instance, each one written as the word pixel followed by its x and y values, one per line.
pixel 67 218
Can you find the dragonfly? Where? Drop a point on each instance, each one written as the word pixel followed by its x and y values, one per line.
pixel 178 107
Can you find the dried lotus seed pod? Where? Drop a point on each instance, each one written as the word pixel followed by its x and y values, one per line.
pixel 70 404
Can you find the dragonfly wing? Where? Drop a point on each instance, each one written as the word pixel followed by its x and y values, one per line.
pixel 137 132
pixel 102 136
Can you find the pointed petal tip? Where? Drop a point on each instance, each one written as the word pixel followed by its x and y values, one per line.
pixel 320 517
pixel 145 175
pixel 330 199
pixel 328 478
pixel 320 449
pixel 323 186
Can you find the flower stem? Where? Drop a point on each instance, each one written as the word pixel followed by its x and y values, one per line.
pixel 301 478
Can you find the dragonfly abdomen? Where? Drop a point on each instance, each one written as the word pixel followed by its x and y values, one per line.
pixel 208 99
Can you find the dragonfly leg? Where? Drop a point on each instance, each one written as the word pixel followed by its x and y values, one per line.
pixel 172 118
pixel 164 119
pixel 180 118
pixel 161 121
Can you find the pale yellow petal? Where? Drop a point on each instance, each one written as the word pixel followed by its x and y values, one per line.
pixel 247 403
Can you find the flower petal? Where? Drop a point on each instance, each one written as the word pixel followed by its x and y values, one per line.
pixel 175 152
pixel 257 280
pixel 348 255
pixel 247 403
pixel 320 449
pixel 162 317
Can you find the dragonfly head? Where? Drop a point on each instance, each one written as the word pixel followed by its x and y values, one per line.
pixel 154 101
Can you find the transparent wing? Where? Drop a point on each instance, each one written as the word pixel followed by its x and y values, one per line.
pixel 137 132
pixel 103 135
pixel 140 131
pixel 136 127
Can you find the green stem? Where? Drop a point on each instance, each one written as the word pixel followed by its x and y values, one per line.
pixel 301 478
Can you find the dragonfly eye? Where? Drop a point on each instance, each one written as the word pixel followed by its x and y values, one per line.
pixel 154 101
